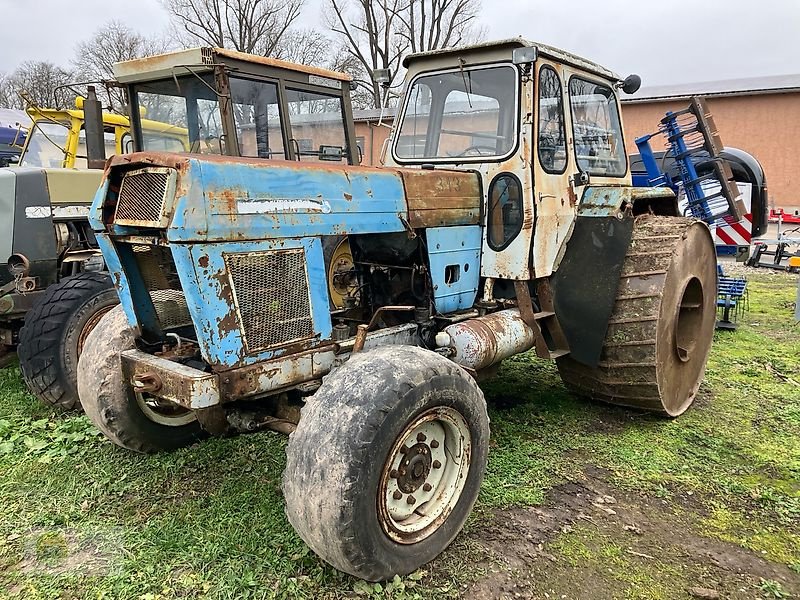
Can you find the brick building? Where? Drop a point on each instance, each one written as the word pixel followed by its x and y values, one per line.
pixel 760 115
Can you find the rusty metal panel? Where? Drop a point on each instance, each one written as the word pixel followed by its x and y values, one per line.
pixel 178 383
pixel 215 304
pixel 441 198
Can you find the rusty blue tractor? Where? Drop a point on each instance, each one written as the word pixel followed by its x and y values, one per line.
pixel 355 308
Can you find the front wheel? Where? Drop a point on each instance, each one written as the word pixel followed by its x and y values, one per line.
pixel 387 461
pixel 130 419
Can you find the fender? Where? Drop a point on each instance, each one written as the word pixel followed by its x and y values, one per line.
pixel 587 280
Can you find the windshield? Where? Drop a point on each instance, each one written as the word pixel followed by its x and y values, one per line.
pixel 109 140
pixel 257 115
pixel 464 114
pixel 190 107
pixel 46 145
pixel 317 124
pixel 314 129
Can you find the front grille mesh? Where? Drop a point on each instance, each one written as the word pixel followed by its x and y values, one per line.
pixel 271 290
pixel 142 195
pixel 157 269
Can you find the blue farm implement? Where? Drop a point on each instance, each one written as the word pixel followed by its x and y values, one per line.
pixel 268 280
pixel 711 182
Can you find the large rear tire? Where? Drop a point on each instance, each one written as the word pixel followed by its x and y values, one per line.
pixel 386 462
pixel 659 335
pixel 131 420
pixel 55 329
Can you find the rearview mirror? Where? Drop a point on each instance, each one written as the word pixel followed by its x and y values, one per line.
pixel 631 84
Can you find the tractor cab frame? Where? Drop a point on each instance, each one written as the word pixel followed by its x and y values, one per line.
pixel 539 124
pixel 237 104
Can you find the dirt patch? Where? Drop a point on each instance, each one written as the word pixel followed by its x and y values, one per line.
pixel 592 540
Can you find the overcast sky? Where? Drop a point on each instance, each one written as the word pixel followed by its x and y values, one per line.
pixel 665 42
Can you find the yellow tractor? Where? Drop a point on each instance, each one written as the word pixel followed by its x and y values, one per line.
pixel 45 239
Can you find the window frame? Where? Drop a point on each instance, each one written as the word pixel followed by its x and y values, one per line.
pixel 619 121
pixel 135 88
pixel 462 159
pixel 489 211
pixel 279 93
pixel 347 155
pixel 539 121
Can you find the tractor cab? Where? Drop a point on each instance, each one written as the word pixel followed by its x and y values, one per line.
pixel 537 123
pixel 236 104
pixel 57 138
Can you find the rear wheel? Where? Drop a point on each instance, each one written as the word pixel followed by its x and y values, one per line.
pixel 659 335
pixel 55 331
pixel 133 420
pixel 387 461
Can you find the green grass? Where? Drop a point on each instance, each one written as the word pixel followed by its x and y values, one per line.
pixel 80 518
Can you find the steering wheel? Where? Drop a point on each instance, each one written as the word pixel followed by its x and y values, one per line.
pixel 478 150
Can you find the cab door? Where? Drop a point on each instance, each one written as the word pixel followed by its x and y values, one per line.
pixel 555 193
pixel 509 206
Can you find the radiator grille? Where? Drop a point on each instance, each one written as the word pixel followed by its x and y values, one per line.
pixel 271 291
pixel 160 276
pixel 142 196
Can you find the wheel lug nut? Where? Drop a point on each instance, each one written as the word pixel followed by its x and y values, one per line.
pixel 397 495
pixel 421 437
pixel 427 487
pixel 411 500
pixel 402 471
pixel 393 474
pixel 436 464
pixel 424 450
pixel 434 443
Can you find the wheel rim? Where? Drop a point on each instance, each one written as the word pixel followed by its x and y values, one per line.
pixel 688 319
pixel 90 324
pixel 163 412
pixel 424 475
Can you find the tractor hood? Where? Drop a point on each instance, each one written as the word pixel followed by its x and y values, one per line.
pixel 212 198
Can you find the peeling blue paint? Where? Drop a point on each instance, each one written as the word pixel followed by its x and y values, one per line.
pixel 454 252
pixel 118 276
pixel 249 201
pixel 208 292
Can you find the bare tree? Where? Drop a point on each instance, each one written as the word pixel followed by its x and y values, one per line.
pixel 252 26
pixel 305 47
pixel 378 33
pixel 5 96
pixel 369 29
pixel 111 43
pixel 36 82
pixel 434 24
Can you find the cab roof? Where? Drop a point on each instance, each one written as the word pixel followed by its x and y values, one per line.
pixel 508 46
pixel 202 60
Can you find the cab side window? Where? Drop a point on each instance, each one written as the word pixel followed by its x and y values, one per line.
pixel 552 140
pixel 596 128
pixel 505 210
